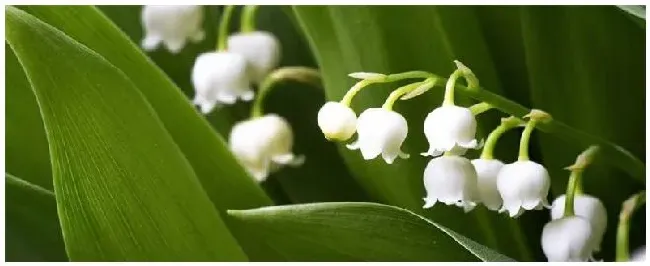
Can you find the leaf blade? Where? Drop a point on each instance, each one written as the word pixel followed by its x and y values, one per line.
pixel 32 225
pixel 133 196
pixel 225 181
pixel 357 232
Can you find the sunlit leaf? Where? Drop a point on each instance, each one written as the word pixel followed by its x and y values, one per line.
pixel 124 190
pixel 356 232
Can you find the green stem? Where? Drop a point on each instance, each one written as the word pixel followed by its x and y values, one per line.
pixel 574 182
pixel 614 154
pixel 525 140
pixel 480 108
pixel 224 26
pixel 449 87
pixel 623 230
pixel 347 98
pixel 491 142
pixel 247 23
pixel 399 92
pixel 305 75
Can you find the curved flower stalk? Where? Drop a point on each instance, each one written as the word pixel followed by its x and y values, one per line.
pixel 615 154
pixel 623 230
pixel 172 26
pixel 524 184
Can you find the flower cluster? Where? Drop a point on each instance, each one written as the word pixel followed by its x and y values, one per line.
pixel 243 60
pixel 452 179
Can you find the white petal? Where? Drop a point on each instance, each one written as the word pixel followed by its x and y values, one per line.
pixel 448 127
pixel 221 77
pixel 523 183
pixel 247 95
pixel 381 131
pixel 150 42
pixel 198 36
pixel 567 239
pixel 261 50
pixel 487 171
pixel 452 180
pixel 337 121
pixel 174 45
pixel 353 146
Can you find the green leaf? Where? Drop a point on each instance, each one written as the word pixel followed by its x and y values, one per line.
pixel 585 69
pixel 227 184
pixel 356 232
pixel 324 176
pixel 26 152
pixel 636 13
pixel 124 190
pixel 32 226
pixel 398 39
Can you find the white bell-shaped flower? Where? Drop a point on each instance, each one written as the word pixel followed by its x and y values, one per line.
pixel 450 128
pixel 487 171
pixel 263 144
pixel 588 207
pixel 638 254
pixel 172 26
pixel 382 132
pixel 567 239
pixel 261 49
pixel 220 78
pixel 451 180
pixel 523 185
pixel 337 121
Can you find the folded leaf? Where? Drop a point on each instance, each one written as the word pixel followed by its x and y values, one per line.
pixel 227 184
pixel 26 152
pixel 124 190
pixel 355 232
pixel 32 226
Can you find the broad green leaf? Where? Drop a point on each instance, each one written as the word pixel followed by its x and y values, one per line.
pixel 32 226
pixel 636 13
pixel 356 232
pixel 585 69
pixel 26 152
pixel 398 39
pixel 323 177
pixel 124 190
pixel 226 183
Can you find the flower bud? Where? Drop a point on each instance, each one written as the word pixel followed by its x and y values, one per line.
pixel 261 50
pixel 450 129
pixel 172 26
pixel 588 207
pixel 220 77
pixel 262 144
pixel 337 121
pixel 451 180
pixel 567 239
pixel 523 185
pixel 487 171
pixel 382 132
